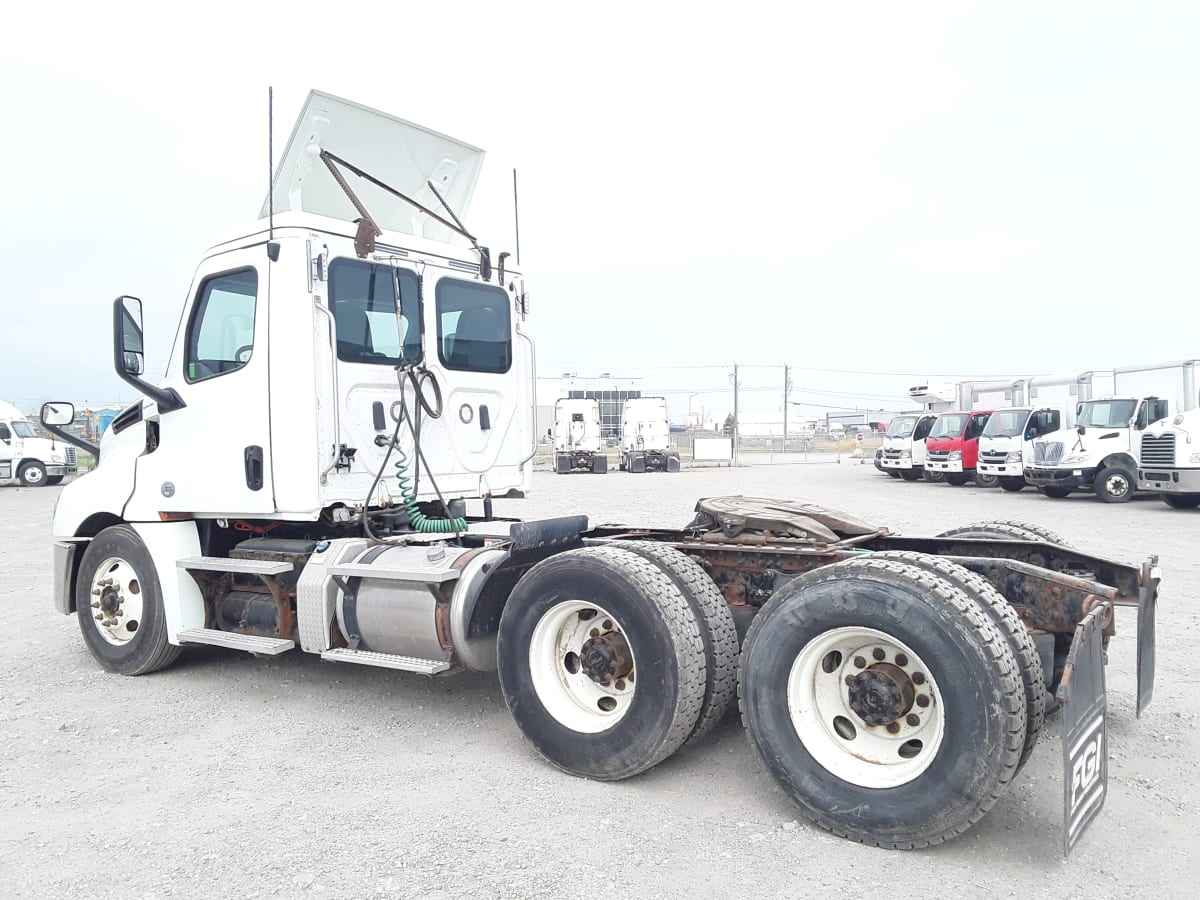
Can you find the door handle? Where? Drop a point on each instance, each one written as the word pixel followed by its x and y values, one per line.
pixel 254 468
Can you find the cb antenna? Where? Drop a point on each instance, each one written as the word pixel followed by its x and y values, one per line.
pixel 271 160
pixel 516 218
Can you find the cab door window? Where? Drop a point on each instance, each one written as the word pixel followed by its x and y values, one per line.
pixel 474 326
pixel 374 325
pixel 220 336
pixel 975 428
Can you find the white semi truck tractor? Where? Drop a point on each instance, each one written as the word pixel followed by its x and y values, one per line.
pixel 646 436
pixel 27 456
pixel 578 441
pixel 1169 463
pixel 350 386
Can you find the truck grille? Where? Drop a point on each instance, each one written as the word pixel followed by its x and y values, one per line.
pixel 1048 452
pixel 1158 451
pixel 939 455
pixel 996 456
pixel 892 454
pixel 71 457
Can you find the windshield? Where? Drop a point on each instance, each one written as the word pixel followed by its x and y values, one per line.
pixel 23 429
pixel 1006 423
pixel 949 426
pixel 1106 413
pixel 902 426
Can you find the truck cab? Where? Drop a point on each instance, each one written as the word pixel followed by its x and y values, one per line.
pixel 1006 445
pixel 952 447
pixel 904 445
pixel 578 441
pixel 26 456
pixel 646 436
pixel 1101 452
pixel 1169 460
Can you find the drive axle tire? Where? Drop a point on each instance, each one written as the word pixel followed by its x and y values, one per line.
pixel 1005 618
pixel 601 662
pixel 1181 501
pixel 1115 484
pixel 1012 483
pixel 717 630
pixel 828 668
pixel 1006 530
pixel 127 629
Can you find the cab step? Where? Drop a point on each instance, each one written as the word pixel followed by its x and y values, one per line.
pixel 251 643
pixel 236 566
pixel 386 660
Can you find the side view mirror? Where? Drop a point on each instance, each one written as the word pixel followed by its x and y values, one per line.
pixel 58 414
pixel 132 360
pixel 127 354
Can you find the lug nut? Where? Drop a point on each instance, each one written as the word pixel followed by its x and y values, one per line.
pixel 901 660
pixel 595 632
pixel 918 678
pixel 860 662
pixel 893 728
pixel 620 685
pixel 913 720
pixel 850 680
pixel 607 624
pixel 878 653
pixel 922 701
pixel 95 604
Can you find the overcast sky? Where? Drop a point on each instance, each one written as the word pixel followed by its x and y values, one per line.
pixel 923 189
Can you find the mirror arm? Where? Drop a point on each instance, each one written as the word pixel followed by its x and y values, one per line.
pixel 79 442
pixel 168 399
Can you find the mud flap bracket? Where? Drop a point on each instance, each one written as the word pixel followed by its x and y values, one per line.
pixel 1147 600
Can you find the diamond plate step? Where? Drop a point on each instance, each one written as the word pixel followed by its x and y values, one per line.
pixel 249 642
pixel 238 566
pixel 387 661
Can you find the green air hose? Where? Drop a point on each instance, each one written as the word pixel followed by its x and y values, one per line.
pixel 416 518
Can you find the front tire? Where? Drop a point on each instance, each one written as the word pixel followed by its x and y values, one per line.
pixel 957 478
pixel 986 481
pixel 920 639
pixel 32 474
pixel 1115 485
pixel 1012 483
pixel 119 604
pixel 1055 493
pixel 1181 501
pixel 601 662
pixel 910 474
pixel 52 480
pixel 934 476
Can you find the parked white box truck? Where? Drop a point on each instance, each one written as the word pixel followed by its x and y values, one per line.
pixel 1045 404
pixel 33 460
pixel 1101 453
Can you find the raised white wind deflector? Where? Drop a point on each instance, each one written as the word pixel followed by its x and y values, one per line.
pixel 403 155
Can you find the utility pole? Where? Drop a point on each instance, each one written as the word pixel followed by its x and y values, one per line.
pixel 786 388
pixel 736 425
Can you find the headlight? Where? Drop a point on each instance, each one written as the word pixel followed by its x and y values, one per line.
pixel 907 454
pixel 56 458
pixel 1076 458
pixel 1195 458
pixel 1015 456
pixel 955 454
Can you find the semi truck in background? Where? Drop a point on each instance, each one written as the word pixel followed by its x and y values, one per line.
pixel 1102 453
pixel 578 443
pixel 33 460
pixel 646 436
pixel 1044 404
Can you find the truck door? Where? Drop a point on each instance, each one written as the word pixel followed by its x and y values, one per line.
pixel 7 451
pixel 213 456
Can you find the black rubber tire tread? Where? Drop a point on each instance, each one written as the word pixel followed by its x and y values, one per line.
pixel 1006 529
pixel 26 468
pixel 149 650
pixel 52 480
pixel 910 475
pixel 957 479
pixel 1055 493
pixel 892 473
pixel 933 477
pixel 1103 475
pixel 682 623
pixel 721 646
pixel 944 594
pixel 1181 501
pixel 1012 483
pixel 1001 612
pixel 982 481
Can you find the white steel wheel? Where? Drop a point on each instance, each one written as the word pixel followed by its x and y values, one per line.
pixel 865 707
pixel 116 601
pixel 582 667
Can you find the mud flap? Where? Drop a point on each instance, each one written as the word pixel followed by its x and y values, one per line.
pixel 672 463
pixel 1147 600
pixel 1081 696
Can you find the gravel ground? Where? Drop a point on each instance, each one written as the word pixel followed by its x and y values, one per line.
pixel 230 776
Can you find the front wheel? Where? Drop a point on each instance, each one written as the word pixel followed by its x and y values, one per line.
pixel 1055 493
pixel 52 480
pixel 934 476
pixel 1115 485
pixel 119 604
pixel 861 686
pixel 32 474
pixel 986 481
pixel 1012 483
pixel 601 662
pixel 956 478
pixel 910 474
pixel 1181 501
